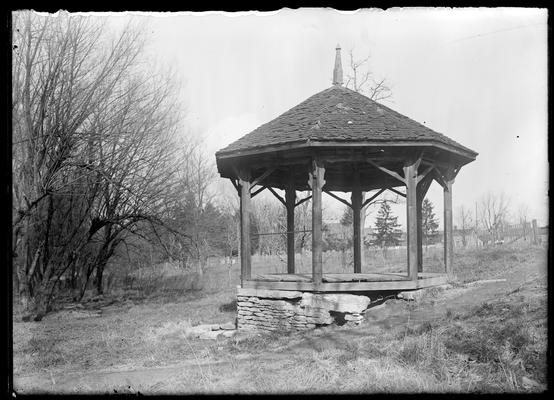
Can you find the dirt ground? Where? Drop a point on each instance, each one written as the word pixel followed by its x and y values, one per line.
pixel 276 366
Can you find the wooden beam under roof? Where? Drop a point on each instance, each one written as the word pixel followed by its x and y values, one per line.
pixel 338 198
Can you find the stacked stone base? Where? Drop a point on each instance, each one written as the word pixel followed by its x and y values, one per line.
pixel 286 310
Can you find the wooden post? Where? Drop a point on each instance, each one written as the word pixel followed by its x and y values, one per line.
pixel 410 176
pixel 290 200
pixel 422 188
pixel 356 219
pixel 419 223
pixel 316 183
pixel 448 239
pixel 245 252
pixel 535 232
pixel 363 211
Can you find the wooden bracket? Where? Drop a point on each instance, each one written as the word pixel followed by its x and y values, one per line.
pixel 338 198
pixel 257 191
pixel 419 159
pixel 423 187
pixel 277 195
pixel 424 174
pixel 243 174
pixel 262 176
pixel 439 177
pixel 387 171
pixel 397 192
pixel 235 184
pixel 319 177
pixel 303 200
pixel 365 203
pixel 415 162
pixel 449 175
pixel 452 173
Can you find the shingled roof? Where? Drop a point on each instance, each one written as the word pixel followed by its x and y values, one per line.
pixel 338 114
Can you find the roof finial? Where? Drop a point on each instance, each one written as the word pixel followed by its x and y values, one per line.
pixel 337 71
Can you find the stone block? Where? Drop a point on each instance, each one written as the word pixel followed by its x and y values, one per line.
pixel 336 302
pixel 246 308
pixel 228 326
pixel 411 295
pixel 196 331
pixel 277 304
pixel 353 317
pixel 211 335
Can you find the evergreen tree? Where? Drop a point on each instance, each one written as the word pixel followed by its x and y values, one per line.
pixel 386 228
pixel 429 223
pixel 347 217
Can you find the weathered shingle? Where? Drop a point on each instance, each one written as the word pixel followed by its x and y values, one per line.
pixel 339 114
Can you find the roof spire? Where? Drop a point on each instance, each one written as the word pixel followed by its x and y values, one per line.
pixel 337 71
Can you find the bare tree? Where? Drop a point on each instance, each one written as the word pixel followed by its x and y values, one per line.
pixel 303 226
pixel 231 221
pixel 465 222
pixel 272 223
pixel 92 143
pixel 523 218
pixel 493 213
pixel 192 210
pixel 361 79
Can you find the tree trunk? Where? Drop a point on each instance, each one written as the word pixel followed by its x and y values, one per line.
pixel 42 299
pixel 105 253
pixel 90 269
pixel 22 287
pixel 98 279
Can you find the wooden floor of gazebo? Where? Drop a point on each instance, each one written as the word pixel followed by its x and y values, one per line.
pixel 346 282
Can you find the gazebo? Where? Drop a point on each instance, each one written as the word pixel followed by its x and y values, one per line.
pixel 339 140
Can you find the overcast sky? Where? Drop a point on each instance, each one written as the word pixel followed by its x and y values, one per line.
pixel 478 76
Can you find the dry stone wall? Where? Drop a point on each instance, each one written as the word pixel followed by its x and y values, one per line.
pixel 287 310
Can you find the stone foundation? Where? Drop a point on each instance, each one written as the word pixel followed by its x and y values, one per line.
pixel 287 310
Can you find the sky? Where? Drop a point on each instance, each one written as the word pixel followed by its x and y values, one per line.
pixel 478 76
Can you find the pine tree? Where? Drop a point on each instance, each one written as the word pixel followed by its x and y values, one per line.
pixel 347 217
pixel 429 223
pixel 386 228
pixel 344 238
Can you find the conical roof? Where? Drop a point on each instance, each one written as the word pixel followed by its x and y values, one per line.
pixel 340 115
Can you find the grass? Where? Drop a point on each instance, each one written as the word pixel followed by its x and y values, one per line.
pixel 338 262
pixel 485 346
pixel 491 262
pixel 147 334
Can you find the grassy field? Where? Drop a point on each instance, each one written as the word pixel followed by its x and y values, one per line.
pixel 490 337
pixel 338 262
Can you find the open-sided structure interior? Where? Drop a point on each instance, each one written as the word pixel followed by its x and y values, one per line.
pixel 339 140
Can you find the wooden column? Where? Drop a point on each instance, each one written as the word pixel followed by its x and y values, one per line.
pixel 290 200
pixel 316 183
pixel 448 239
pixel 356 222
pixel 422 188
pixel 410 177
pixel 419 222
pixel 245 252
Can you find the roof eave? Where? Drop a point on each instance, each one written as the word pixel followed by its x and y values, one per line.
pixel 470 155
